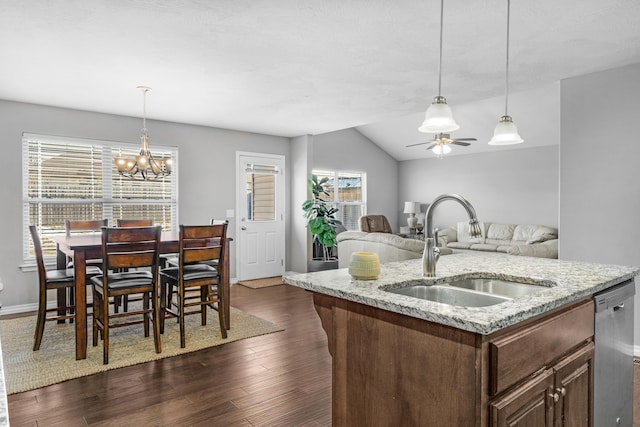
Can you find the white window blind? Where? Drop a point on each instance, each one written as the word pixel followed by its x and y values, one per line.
pixel 76 179
pixel 347 193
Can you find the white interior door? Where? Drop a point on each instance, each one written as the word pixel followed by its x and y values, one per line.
pixel 260 218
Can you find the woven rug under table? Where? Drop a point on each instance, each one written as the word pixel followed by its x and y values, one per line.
pixel 25 369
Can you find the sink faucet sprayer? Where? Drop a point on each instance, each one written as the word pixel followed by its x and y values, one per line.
pixel 431 251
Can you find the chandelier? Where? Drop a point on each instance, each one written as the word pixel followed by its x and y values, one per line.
pixel 144 167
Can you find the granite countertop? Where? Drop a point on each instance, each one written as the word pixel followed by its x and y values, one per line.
pixel 562 283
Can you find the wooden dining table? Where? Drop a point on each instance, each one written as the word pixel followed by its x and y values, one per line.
pixel 83 247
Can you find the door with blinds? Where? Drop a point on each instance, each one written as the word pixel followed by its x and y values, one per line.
pixel 260 216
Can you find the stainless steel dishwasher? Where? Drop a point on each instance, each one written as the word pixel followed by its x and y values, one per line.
pixel 613 378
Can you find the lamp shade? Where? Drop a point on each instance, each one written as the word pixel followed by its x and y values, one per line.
pixel 438 117
pixel 506 133
pixel 411 207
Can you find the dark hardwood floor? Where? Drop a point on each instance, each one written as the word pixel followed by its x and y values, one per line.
pixel 280 379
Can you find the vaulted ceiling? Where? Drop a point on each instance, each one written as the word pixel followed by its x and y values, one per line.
pixel 294 67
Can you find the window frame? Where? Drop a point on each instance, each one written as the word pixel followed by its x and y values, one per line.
pixel 335 173
pixel 107 202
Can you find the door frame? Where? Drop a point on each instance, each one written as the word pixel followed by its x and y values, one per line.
pixel 280 202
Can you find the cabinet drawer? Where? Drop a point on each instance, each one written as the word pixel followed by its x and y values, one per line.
pixel 527 350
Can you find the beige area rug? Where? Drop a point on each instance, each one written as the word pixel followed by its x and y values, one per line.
pixel 25 369
pixel 262 283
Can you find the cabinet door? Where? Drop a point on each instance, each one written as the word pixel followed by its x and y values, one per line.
pixel 529 405
pixel 574 388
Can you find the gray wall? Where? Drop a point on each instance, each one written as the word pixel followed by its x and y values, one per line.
pixel 206 182
pixel 300 242
pixel 510 186
pixel 599 184
pixel 351 151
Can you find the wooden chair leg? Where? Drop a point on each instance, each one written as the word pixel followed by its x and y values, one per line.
pixel 221 318
pixel 156 322
pixel 145 306
pixel 97 313
pixel 183 341
pixel 62 302
pixel 42 313
pixel 204 296
pixel 163 305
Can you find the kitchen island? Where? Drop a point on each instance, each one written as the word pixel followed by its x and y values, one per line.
pixel 400 360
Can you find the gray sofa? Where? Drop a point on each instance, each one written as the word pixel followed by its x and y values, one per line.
pixel 514 239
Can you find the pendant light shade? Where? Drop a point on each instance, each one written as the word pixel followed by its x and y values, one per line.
pixel 439 117
pixel 506 132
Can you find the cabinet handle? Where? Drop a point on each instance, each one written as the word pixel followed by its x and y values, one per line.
pixel 555 397
pixel 562 391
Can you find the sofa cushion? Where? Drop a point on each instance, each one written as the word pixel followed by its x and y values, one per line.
pixel 533 233
pixel 500 234
pixel 459 245
pixel 462 228
pixel 447 235
pixel 484 247
pixel 547 249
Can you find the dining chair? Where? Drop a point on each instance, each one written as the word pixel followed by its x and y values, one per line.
pixel 200 263
pixel 134 248
pixel 172 260
pixel 123 222
pixel 62 281
pixel 85 226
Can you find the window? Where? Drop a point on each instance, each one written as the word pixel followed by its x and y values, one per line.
pixel 68 178
pixel 347 193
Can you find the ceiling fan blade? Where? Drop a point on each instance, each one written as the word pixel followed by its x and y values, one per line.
pixel 464 139
pixel 464 144
pixel 419 143
pixel 431 146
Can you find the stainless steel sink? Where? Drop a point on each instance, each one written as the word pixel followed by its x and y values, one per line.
pixel 497 287
pixel 451 295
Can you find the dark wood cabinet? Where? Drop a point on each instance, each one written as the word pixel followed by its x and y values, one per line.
pixel 527 405
pixel 559 396
pixel 391 369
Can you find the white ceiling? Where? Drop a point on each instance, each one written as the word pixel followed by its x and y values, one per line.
pixel 294 67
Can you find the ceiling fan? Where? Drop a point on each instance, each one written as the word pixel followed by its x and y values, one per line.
pixel 441 141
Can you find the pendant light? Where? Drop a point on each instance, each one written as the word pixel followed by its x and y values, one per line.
pixel 144 167
pixel 439 117
pixel 506 132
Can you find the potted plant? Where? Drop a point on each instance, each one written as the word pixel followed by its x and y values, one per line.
pixel 322 224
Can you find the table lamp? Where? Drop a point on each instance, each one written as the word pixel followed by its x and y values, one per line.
pixel 412 208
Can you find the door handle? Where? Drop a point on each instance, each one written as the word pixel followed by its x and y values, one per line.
pixel 618 307
pixel 243 228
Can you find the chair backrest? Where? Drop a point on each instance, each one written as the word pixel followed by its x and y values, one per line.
pixel 37 248
pixel 84 226
pixel 202 243
pixel 375 224
pixel 134 222
pixel 130 247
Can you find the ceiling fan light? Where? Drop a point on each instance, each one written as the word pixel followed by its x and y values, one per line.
pixel 438 117
pixel 506 133
pixel 441 149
